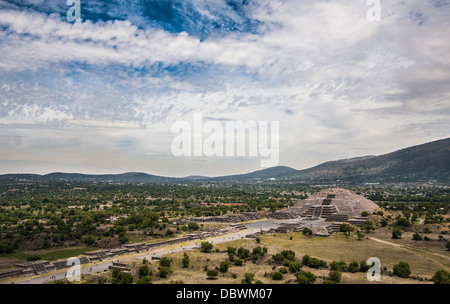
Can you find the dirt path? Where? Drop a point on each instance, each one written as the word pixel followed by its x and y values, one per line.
pixel 410 248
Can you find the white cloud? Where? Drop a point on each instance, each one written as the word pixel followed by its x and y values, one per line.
pixel 329 76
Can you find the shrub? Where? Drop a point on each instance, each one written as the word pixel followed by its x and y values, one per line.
pixel 283 270
pixel 231 250
pixel 212 274
pixel 441 277
pixel 143 271
pixel 314 263
pixel 335 265
pixel 224 266
pixel 243 253
pixel 353 267
pixel 127 278
pixel 403 222
pixel 288 254
pixel 165 262
pixel 402 270
pixel 193 226
pixel 163 272
pixel 33 258
pixel 257 250
pixel 293 266
pixel 306 277
pixel 305 260
pixel 248 278
pixel 145 280
pixel 427 230
pixel 119 277
pixel 277 276
pixel 346 229
pixel 278 257
pixel 206 247
pixel 335 276
pixel 417 237
pixel 302 280
pixel 360 236
pixel 396 234
pixel 238 262
pixel 185 260
pixel 363 267
pixel 307 232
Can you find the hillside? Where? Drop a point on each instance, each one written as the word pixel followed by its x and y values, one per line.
pixel 425 162
pixel 422 163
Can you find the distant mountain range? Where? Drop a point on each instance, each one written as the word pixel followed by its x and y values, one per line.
pixel 422 163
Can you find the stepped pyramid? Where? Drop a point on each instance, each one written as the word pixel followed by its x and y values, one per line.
pixel 336 204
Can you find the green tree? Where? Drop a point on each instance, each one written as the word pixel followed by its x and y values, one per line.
pixel 353 267
pixel 224 266
pixel 143 271
pixel 277 276
pixel 335 276
pixel 212 274
pixel 441 277
pixel 306 277
pixel 307 232
pixel 368 226
pixel 165 262
pixel 145 280
pixel 417 237
pixel 185 260
pixel 193 226
pixel 231 250
pixel 363 267
pixel 402 270
pixel 206 247
pixel 248 278
pixel 238 262
pixel 360 236
pixel 163 272
pixel 243 253
pixel 346 229
pixel 397 234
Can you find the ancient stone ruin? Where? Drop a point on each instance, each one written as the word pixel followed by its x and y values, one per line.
pixel 334 205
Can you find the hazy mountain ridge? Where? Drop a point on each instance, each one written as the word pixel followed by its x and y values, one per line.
pixel 430 161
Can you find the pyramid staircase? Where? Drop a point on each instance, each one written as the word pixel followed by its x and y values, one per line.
pixel 39 268
pixel 358 221
pixel 334 228
pixel 337 218
pixel 323 211
pixel 103 256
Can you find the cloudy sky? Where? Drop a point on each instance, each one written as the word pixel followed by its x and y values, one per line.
pixel 100 95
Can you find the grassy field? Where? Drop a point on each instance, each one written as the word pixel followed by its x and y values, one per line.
pixel 8 260
pixel 334 248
